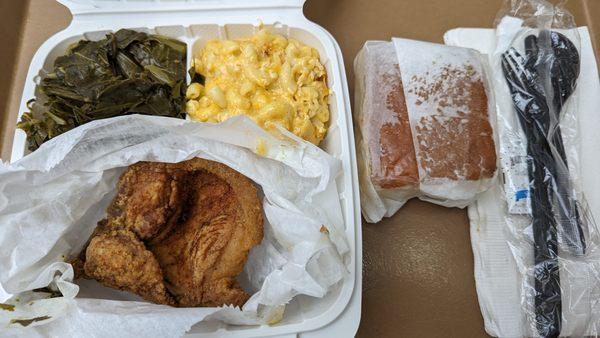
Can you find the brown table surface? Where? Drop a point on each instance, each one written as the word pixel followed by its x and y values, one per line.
pixel 418 265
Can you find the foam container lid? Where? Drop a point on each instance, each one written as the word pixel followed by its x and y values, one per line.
pixel 195 22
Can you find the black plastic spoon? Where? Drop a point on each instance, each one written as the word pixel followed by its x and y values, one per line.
pixel 563 69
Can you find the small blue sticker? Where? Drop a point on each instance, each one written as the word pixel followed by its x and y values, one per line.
pixel 522 194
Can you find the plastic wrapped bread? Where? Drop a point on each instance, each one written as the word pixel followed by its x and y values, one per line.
pixel 423 113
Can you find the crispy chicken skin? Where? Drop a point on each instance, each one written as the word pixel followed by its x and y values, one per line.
pixel 119 260
pixel 177 234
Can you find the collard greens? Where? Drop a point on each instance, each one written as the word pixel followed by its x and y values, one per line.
pixel 127 72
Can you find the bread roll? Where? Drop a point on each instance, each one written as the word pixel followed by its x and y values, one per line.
pixel 430 138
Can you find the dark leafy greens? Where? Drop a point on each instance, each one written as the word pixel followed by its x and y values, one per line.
pixel 127 72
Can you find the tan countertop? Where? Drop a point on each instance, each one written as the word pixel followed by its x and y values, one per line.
pixel 418 265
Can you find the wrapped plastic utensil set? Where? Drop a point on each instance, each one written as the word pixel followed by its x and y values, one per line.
pixel 550 228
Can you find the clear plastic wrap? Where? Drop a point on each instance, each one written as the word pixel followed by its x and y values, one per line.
pixel 550 231
pixel 424 125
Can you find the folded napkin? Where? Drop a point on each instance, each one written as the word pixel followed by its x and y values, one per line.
pixel 497 276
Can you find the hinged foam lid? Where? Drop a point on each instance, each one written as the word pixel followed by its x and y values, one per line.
pixel 122 6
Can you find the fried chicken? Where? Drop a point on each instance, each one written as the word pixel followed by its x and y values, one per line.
pixel 131 268
pixel 177 234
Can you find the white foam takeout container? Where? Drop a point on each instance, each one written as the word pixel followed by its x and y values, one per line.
pixel 195 22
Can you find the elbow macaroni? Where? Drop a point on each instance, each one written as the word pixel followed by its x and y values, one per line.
pixel 271 79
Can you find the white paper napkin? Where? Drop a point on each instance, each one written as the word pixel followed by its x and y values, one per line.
pixel 497 277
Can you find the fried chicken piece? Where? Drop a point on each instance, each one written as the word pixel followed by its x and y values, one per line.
pixel 210 247
pixel 118 259
pixel 191 224
pixel 150 199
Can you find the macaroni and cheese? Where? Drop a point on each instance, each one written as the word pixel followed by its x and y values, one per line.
pixel 271 79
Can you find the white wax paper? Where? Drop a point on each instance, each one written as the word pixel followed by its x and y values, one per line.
pixel 51 200
pixel 433 61
pixel 421 66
